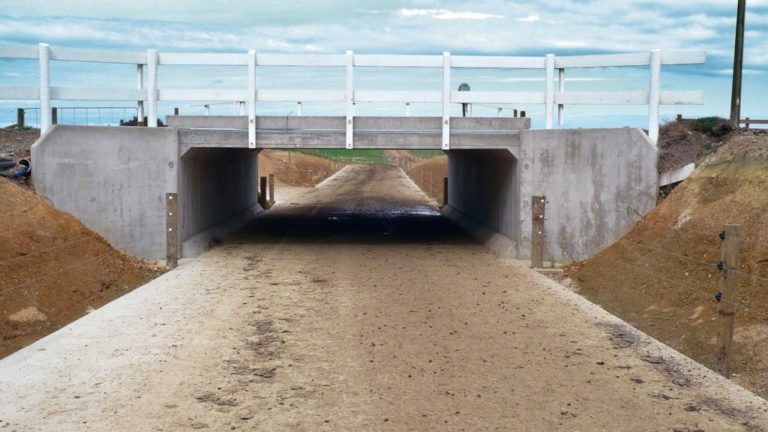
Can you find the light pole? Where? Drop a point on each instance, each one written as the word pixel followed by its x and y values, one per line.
pixel 738 62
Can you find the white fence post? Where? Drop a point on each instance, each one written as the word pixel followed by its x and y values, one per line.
pixel 140 86
pixel 44 57
pixel 407 109
pixel 561 107
pixel 654 96
pixel 152 88
pixel 549 93
pixel 446 101
pixel 300 109
pixel 252 99
pixel 207 109
pixel 350 99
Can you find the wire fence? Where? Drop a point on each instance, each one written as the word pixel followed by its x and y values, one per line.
pixel 86 116
pixel 657 271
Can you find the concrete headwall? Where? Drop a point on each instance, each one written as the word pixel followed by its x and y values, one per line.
pixel 218 193
pixel 598 183
pixel 113 179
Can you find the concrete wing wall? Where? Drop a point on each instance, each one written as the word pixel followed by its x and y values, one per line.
pixel 114 179
pixel 598 183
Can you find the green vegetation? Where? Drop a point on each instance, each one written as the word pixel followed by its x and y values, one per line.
pixel 714 126
pixel 368 157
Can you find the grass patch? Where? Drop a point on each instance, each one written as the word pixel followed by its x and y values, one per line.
pixel 369 157
pixel 715 126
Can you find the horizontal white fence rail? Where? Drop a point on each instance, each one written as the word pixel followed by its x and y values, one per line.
pixel 149 94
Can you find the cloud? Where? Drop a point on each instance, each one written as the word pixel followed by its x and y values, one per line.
pixel 444 14
pixel 529 18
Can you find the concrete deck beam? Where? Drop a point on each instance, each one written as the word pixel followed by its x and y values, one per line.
pixel 330 132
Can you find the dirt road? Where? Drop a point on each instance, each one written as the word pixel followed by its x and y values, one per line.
pixel 356 306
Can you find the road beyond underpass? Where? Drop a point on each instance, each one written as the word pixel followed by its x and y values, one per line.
pixel 357 306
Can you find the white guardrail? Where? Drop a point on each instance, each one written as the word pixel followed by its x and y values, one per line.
pixel 550 97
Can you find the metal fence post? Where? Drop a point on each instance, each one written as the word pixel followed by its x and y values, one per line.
pixel 44 57
pixel 729 265
pixel 538 208
pixel 549 93
pixel 654 96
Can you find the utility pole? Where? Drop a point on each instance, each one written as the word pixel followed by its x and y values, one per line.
pixel 738 62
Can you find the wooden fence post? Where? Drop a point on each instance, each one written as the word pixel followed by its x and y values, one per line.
pixel 54 116
pixel 263 192
pixel 538 207
pixel 726 297
pixel 445 191
pixel 271 190
pixel 20 118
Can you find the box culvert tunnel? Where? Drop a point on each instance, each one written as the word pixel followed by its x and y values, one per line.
pixel 598 182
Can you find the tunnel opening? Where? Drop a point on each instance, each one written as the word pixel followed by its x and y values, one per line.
pixel 373 204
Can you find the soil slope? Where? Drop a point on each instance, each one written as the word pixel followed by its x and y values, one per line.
pixel 53 270
pixel 663 274
pixel 294 168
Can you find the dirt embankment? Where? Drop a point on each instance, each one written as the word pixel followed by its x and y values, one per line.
pixel 16 142
pixel 663 275
pixel 294 168
pixel 427 172
pixel 53 270
pixel 688 141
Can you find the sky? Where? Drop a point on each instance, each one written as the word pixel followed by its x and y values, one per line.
pixel 492 27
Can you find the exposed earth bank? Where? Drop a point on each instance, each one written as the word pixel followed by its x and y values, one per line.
pixel 663 274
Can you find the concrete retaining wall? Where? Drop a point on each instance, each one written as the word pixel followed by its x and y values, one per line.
pixel 113 179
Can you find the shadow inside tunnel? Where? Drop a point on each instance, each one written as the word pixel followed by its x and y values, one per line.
pixel 398 226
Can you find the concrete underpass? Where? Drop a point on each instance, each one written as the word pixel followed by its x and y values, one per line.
pixel 357 305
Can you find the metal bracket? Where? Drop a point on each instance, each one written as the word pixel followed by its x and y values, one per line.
pixel 172 230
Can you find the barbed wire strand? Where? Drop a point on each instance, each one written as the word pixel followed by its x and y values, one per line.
pixel 61 246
